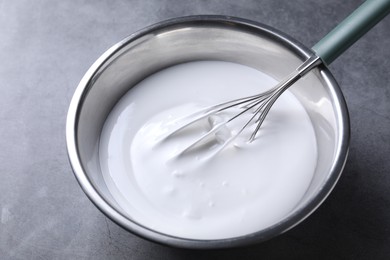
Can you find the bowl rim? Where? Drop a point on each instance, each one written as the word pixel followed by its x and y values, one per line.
pixel 282 226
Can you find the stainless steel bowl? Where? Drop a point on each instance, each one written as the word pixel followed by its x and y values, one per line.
pixel 204 38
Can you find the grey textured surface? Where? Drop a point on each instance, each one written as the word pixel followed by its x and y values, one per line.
pixel 46 47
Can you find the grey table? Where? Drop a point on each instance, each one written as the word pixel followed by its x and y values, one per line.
pixel 46 47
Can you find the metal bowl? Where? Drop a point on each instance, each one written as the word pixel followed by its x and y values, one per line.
pixel 204 38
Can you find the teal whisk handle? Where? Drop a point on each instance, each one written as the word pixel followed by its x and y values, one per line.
pixel 351 29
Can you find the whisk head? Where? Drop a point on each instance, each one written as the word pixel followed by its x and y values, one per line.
pixel 253 109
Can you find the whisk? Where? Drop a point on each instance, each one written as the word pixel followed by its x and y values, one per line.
pixel 258 106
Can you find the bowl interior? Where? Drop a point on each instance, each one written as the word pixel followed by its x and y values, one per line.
pixel 260 47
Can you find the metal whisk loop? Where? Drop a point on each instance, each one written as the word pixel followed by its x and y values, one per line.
pixel 262 104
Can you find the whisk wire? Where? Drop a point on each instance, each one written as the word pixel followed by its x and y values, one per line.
pixel 262 104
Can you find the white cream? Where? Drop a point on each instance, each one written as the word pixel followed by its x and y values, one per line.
pixel 242 189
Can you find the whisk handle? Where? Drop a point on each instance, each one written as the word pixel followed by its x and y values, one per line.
pixel 351 29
